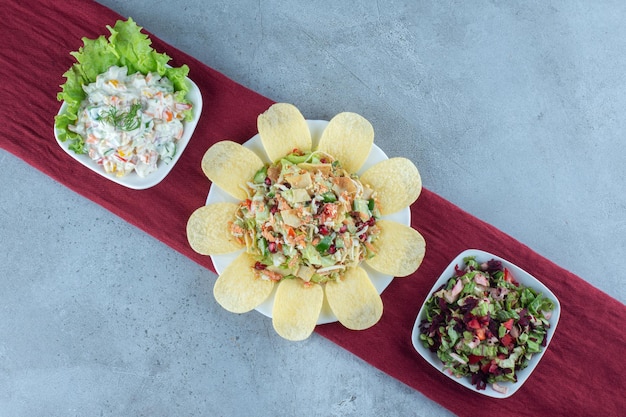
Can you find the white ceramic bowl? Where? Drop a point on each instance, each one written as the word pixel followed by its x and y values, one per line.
pixel 380 281
pixel 132 180
pixel 523 278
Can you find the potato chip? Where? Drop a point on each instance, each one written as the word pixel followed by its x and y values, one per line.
pixel 401 249
pixel 354 300
pixel 238 289
pixel 349 138
pixel 229 165
pixel 208 229
pixel 282 129
pixel 397 183
pixel 297 306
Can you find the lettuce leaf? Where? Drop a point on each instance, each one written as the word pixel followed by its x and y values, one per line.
pixel 126 46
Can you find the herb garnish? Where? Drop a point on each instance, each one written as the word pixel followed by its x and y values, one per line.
pixel 127 121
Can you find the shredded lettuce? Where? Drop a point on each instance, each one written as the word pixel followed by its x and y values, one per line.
pixel 126 46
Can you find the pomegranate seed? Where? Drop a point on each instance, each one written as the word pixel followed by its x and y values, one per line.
pixel 324 230
pixel 332 249
pixel 268 181
pixel 272 247
pixel 343 228
pixel 259 266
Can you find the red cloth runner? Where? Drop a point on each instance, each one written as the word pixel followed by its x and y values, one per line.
pixel 583 370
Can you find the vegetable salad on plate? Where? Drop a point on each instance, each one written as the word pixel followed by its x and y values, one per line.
pixel 307 217
pixel 123 105
pixel 306 222
pixel 484 325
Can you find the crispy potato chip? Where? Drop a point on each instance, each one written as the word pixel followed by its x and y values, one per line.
pixel 229 165
pixel 401 249
pixel 349 138
pixel 282 129
pixel 296 308
pixel 397 183
pixel 208 230
pixel 238 289
pixel 354 300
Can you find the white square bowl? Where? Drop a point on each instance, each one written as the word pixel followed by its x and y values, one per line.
pixel 132 180
pixel 523 278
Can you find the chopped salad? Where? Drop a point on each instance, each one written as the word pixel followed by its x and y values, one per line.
pixel 306 217
pixel 485 325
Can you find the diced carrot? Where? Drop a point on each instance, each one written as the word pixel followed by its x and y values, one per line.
pixel 480 333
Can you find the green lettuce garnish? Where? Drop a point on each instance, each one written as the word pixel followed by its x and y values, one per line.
pixel 127 47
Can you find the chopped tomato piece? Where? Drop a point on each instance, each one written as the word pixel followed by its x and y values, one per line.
pixel 508 277
pixel 472 359
pixel 489 367
pixel 473 324
pixel 507 340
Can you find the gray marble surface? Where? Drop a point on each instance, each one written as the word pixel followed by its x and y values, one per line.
pixel 514 111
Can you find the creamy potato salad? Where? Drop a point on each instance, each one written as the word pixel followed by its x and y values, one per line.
pixel 130 122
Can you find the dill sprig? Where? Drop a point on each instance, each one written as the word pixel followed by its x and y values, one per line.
pixel 129 120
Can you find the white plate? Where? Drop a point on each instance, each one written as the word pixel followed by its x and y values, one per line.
pixel 523 278
pixel 132 180
pixel 216 194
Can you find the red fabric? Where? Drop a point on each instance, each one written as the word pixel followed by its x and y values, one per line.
pixel 582 372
